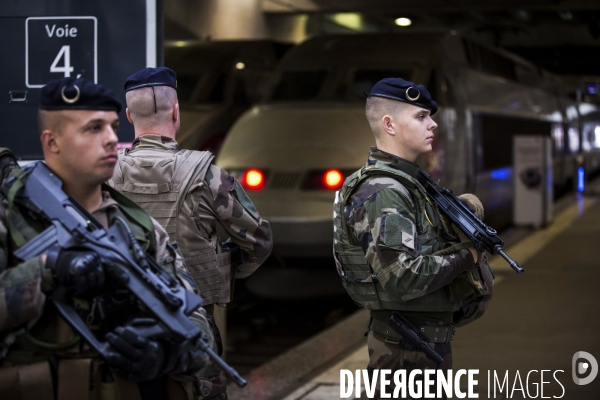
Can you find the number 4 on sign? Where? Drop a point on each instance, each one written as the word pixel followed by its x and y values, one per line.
pixel 65 52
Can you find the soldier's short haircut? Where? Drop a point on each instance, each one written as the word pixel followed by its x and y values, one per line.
pixel 151 104
pixel 51 120
pixel 377 107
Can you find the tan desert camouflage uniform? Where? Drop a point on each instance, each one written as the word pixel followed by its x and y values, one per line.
pixel 33 338
pixel 398 232
pixel 189 196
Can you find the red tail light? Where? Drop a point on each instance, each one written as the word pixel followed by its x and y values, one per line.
pixel 333 179
pixel 253 179
pixel 320 179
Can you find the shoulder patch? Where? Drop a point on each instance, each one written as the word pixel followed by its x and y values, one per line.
pixel 408 240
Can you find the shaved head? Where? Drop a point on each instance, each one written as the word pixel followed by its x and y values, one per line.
pixel 51 120
pixel 377 108
pixel 151 107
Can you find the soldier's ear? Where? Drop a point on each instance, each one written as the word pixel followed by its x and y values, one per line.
pixel 50 142
pixel 128 116
pixel 175 112
pixel 388 125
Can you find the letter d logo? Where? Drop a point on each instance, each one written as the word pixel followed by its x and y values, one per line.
pixel 583 367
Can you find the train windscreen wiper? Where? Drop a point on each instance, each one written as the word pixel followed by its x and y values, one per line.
pixel 484 237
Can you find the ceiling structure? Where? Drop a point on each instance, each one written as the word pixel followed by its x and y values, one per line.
pixel 562 36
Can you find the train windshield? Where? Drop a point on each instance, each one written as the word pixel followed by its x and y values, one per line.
pixel 312 84
pixel 363 80
pixel 192 90
pixel 186 86
pixel 303 85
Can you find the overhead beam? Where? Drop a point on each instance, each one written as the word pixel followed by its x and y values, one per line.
pixel 404 6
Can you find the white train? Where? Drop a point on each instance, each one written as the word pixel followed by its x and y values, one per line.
pixel 217 82
pixel 312 124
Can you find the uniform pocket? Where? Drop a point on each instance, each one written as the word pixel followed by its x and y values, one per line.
pixel 212 274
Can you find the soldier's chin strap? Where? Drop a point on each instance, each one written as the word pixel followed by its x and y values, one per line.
pixel 154 97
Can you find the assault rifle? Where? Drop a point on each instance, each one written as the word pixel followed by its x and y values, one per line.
pixel 484 237
pixel 157 293
pixel 412 337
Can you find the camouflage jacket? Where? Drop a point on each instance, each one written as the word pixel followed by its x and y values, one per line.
pixel 24 286
pixel 219 199
pixel 399 244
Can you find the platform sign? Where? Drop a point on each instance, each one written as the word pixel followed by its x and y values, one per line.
pixel 58 47
pixel 44 40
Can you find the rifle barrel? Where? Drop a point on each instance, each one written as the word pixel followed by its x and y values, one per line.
pixel 513 264
pixel 229 371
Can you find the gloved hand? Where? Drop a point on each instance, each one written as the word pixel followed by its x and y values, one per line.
pixel 474 204
pixel 8 162
pixel 191 360
pixel 464 238
pixel 78 270
pixel 134 357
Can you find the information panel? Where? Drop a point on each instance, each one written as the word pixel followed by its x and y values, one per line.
pixel 58 47
pixel 532 166
pixel 43 40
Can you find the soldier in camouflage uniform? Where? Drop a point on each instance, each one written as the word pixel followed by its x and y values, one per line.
pixel 189 195
pixel 393 248
pixel 41 357
pixel 8 162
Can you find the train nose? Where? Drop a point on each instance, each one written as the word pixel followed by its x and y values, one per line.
pixel 304 155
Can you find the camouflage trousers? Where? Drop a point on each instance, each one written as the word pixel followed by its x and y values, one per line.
pixel 213 385
pixel 383 355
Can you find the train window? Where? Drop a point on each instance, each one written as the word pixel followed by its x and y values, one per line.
pixel 217 94
pixel 449 93
pixel 497 135
pixel 489 61
pixel 364 79
pixel 300 85
pixel 591 137
pixel 558 140
pixel 432 86
pixel 240 96
pixel 595 137
pixel 573 139
pixel 186 85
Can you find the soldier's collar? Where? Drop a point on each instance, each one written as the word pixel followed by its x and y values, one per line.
pixel 151 141
pixel 107 200
pixel 391 160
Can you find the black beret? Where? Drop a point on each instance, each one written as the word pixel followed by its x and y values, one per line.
pixel 405 91
pixel 77 94
pixel 161 76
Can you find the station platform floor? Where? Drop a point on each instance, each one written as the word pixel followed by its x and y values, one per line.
pixel 536 321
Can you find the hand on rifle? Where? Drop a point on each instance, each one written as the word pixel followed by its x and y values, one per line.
pixel 138 358
pixel 474 204
pixel 81 271
pixel 134 357
pixel 463 238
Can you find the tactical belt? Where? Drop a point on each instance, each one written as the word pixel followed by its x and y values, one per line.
pixel 435 334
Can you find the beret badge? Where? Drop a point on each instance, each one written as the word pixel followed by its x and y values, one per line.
pixel 77 94
pixel 73 99
pixel 414 96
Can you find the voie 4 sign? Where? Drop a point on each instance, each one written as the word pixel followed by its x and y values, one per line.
pixel 58 47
